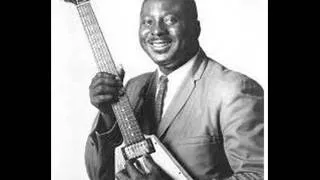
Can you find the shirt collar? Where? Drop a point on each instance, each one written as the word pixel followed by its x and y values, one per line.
pixel 181 71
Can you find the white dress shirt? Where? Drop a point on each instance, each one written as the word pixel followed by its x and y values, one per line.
pixel 175 80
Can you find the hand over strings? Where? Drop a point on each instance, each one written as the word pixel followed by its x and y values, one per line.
pixel 105 89
pixel 131 172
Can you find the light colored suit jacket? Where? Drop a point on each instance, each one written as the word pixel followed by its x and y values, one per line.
pixel 213 127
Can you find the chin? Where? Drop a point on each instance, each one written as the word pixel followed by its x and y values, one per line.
pixel 160 58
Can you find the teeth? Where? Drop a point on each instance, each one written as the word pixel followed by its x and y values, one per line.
pixel 159 43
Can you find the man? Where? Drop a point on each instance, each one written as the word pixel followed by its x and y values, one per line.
pixel 211 119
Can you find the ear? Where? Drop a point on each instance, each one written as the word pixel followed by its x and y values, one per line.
pixel 198 29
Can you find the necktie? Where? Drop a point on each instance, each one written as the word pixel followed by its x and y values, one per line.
pixel 162 88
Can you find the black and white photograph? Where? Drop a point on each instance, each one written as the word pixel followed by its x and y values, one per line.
pixel 159 89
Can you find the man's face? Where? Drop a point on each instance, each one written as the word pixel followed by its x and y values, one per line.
pixel 167 32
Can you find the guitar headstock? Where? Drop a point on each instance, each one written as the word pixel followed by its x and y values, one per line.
pixel 76 2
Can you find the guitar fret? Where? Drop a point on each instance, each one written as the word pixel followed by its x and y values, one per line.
pixel 81 10
pixel 99 47
pixel 92 30
pixel 96 47
pixel 131 125
pixel 89 32
pixel 127 122
pixel 131 137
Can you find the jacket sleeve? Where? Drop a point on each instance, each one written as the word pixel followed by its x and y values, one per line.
pixel 242 128
pixel 99 151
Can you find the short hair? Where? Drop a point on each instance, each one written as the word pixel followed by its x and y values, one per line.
pixel 190 5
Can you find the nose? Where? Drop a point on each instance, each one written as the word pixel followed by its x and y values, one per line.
pixel 158 29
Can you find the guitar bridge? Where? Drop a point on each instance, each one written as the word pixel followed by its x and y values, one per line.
pixel 138 149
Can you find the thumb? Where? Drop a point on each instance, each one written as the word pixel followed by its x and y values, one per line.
pixel 120 71
pixel 132 170
pixel 150 164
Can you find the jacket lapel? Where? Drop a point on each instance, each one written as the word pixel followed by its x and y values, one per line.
pixel 180 98
pixel 144 109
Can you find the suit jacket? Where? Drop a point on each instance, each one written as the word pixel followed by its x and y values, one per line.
pixel 213 127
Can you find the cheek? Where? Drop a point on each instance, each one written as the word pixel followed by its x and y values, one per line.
pixel 143 33
pixel 174 32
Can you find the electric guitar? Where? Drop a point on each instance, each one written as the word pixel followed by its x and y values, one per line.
pixel 135 143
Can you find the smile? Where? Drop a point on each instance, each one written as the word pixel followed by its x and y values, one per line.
pixel 160 45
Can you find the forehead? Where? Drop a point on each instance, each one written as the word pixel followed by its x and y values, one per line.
pixel 162 7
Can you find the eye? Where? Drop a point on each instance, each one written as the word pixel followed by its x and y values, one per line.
pixel 147 22
pixel 170 20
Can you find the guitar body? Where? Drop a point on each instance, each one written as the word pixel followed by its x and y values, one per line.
pixel 161 157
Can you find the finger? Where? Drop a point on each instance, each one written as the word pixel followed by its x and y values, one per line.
pixel 121 91
pixel 106 80
pixel 131 169
pixel 110 81
pixel 139 166
pixel 104 90
pixel 105 74
pixel 120 71
pixel 122 175
pixel 102 75
pixel 150 164
pixel 99 99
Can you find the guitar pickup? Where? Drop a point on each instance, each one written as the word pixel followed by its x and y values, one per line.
pixel 138 149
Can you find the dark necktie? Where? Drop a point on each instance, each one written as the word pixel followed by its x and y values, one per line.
pixel 162 88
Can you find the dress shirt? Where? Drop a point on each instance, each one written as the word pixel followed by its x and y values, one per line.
pixel 175 80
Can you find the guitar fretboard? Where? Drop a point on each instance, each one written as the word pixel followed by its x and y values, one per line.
pixel 127 122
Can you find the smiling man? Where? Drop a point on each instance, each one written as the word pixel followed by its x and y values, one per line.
pixel 169 32
pixel 209 117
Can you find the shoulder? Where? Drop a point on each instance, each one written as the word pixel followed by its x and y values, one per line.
pixel 136 85
pixel 139 80
pixel 229 82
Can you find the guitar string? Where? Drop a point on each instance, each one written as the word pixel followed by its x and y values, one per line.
pixel 102 63
pixel 130 136
pixel 99 43
pixel 95 31
pixel 94 47
pixel 94 43
pixel 82 15
pixel 109 64
pixel 95 40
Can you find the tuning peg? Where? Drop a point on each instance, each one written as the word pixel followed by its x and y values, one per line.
pixel 72 1
pixel 76 2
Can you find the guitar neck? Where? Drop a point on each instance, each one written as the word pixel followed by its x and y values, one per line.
pixel 127 122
